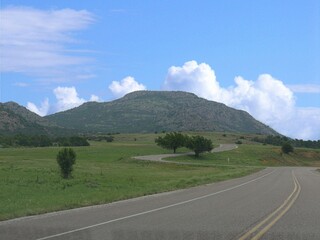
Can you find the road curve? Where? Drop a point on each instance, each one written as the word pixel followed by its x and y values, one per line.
pixel 275 203
pixel 160 157
pixel 225 147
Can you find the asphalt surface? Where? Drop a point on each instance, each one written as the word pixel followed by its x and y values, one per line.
pixel 276 203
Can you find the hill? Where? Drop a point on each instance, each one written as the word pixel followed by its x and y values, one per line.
pixel 15 119
pixel 150 111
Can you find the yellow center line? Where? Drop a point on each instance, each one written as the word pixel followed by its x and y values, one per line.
pixel 286 205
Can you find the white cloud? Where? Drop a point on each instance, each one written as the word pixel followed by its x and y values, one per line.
pixel 199 77
pixel 67 98
pixel 125 86
pixel 267 99
pixel 94 98
pixel 303 124
pixel 305 88
pixel 42 110
pixel 35 42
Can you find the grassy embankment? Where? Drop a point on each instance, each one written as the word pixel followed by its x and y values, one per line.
pixel 104 172
pixel 257 155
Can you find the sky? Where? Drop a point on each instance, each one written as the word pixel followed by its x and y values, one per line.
pixel 259 56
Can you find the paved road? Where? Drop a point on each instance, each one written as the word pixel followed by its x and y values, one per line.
pixel 160 157
pixel 276 203
pixel 224 147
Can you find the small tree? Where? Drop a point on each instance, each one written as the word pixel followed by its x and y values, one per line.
pixel 199 144
pixel 66 158
pixel 172 141
pixel 287 148
pixel 109 138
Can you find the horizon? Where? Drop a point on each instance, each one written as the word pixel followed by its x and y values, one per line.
pixel 261 57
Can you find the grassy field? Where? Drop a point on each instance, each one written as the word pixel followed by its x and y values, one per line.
pixel 257 155
pixel 105 172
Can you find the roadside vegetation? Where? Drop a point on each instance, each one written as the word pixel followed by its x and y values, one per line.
pixel 256 155
pixel 31 183
pixel 287 148
pixel 21 140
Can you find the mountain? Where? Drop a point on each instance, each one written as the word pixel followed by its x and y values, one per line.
pixel 150 111
pixel 15 119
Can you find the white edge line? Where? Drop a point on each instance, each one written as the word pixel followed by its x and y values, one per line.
pixel 156 209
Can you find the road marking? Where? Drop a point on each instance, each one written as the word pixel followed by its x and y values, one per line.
pixel 154 210
pixel 287 204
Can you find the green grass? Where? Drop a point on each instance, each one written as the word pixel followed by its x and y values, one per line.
pixel 257 155
pixel 104 172
pixel 30 182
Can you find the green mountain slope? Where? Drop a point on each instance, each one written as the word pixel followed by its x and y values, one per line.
pixel 15 119
pixel 150 111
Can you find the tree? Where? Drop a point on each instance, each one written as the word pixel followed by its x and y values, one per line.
pixel 199 144
pixel 172 141
pixel 109 138
pixel 286 148
pixel 66 158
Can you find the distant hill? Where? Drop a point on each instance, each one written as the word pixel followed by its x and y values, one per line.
pixel 150 111
pixel 16 119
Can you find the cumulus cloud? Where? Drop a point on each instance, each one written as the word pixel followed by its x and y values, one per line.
pixel 35 42
pixel 126 85
pixel 66 98
pixel 267 99
pixel 199 77
pixel 42 110
pixel 94 98
pixel 303 124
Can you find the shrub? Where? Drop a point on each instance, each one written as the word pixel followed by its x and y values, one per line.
pixel 66 158
pixel 109 138
pixel 286 148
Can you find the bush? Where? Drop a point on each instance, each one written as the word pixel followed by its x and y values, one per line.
pixel 286 148
pixel 66 158
pixel 109 138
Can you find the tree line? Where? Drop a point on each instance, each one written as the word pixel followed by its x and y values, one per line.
pixel 41 141
pixel 281 140
pixel 175 140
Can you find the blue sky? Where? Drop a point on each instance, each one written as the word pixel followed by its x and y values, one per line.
pixel 259 56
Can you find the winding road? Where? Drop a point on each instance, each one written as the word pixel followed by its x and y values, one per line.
pixel 160 157
pixel 275 203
